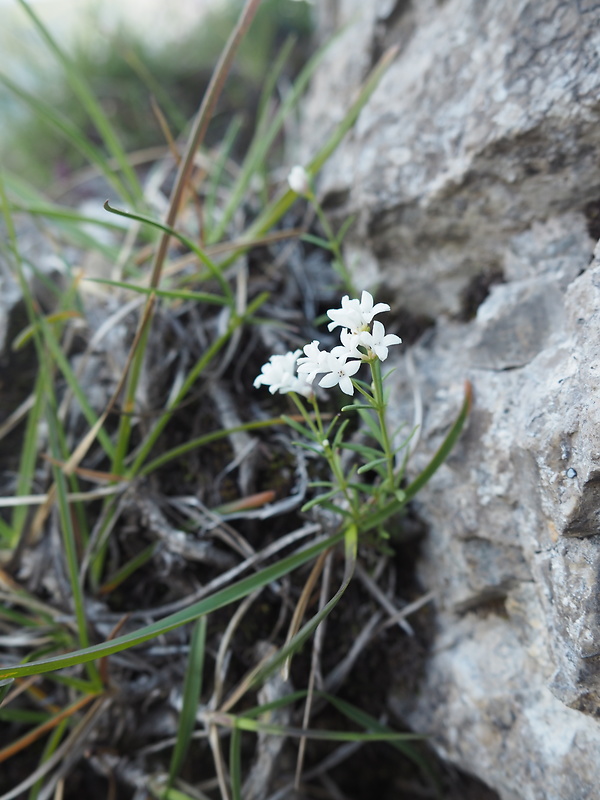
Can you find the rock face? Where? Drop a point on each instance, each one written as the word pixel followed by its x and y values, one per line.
pixel 475 178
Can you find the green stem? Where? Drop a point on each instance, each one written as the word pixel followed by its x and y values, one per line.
pixel 379 407
pixel 316 429
pixel 328 451
pixel 338 262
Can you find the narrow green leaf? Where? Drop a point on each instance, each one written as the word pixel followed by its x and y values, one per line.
pixel 8 535
pixel 89 102
pixel 367 488
pixel 320 499
pixel 258 726
pixel 235 763
pixel 345 512
pixel 201 441
pixel 64 214
pixel 363 449
pixel 331 426
pixel 218 600
pixel 192 689
pixel 371 465
pixel 278 207
pixel 213 268
pixel 379 517
pixel 71 379
pixel 262 141
pixel 216 173
pixel 317 449
pixel 171 294
pixel 344 228
pixel 5 685
pixel 71 133
pixel 28 461
pixel 339 434
pixel 372 425
pixel 316 240
pixel 274 705
pixel 128 568
pixel 301 429
pixel 261 673
pixel 50 747
pixel 23 715
pixel 373 725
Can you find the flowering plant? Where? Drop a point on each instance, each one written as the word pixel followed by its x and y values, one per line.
pixel 362 341
pixel 363 505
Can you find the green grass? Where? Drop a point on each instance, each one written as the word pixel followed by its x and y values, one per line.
pixel 78 471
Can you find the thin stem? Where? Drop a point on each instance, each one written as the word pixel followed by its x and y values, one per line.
pixel 316 429
pixel 197 134
pixel 338 262
pixel 328 451
pixel 379 407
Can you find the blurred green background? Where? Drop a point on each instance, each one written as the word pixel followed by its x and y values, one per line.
pixel 129 53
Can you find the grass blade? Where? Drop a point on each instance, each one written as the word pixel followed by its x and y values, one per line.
pixel 235 763
pixel 91 105
pixel 379 517
pixel 173 294
pixel 257 726
pixel 27 463
pixel 214 269
pixel 278 207
pixel 218 600
pixel 5 688
pixel 266 134
pixel 71 133
pixel 191 696
pixel 350 535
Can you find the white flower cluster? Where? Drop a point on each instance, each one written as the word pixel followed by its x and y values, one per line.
pixel 343 361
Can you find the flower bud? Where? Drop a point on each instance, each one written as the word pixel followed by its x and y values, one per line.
pixel 299 181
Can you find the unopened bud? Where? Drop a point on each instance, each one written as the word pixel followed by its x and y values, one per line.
pixel 299 181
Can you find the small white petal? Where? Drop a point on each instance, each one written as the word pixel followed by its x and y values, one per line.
pixel 279 373
pixel 299 180
pixel 346 385
pixel 311 364
pixel 340 372
pixel 356 315
pixel 378 341
pixel 328 381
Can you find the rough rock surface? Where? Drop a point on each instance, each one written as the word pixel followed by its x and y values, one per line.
pixel 474 175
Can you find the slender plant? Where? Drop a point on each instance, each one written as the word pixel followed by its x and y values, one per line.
pixel 365 488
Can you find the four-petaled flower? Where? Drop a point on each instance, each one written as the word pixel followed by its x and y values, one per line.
pixel 339 372
pixel 312 363
pixel 378 341
pixel 349 345
pixel 355 315
pixel 279 374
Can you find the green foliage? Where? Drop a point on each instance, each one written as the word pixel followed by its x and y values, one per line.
pixel 100 109
pixel 123 71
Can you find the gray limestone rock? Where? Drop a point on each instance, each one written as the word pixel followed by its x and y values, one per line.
pixel 485 124
pixel 513 549
pixel 475 178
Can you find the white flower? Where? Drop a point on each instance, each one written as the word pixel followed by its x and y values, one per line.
pixel 355 315
pixel 340 373
pixel 378 341
pixel 312 363
pixel 349 345
pixel 299 181
pixel 279 374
